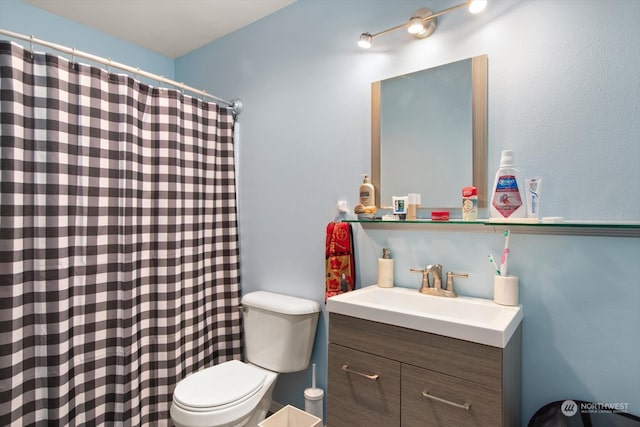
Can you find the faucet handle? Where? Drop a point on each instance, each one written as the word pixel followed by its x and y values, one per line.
pixel 450 276
pixel 425 277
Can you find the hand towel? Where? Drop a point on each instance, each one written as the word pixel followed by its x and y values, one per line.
pixel 339 259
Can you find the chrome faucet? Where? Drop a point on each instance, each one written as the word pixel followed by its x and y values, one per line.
pixel 435 270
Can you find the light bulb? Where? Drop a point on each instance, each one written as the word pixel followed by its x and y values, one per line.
pixel 477 6
pixel 416 26
pixel 365 40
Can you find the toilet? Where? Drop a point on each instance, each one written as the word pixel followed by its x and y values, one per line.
pixel 279 331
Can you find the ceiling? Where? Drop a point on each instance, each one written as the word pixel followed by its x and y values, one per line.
pixel 169 27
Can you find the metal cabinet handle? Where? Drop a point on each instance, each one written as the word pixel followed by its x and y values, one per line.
pixel 373 377
pixel 464 406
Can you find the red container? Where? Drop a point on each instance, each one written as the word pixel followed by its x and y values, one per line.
pixel 440 216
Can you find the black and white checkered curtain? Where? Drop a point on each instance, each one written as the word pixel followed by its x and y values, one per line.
pixel 119 268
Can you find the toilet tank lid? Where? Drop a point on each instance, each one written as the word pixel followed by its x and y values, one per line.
pixel 279 303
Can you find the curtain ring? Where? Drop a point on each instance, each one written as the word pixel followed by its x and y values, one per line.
pixel 31 46
pixel 73 55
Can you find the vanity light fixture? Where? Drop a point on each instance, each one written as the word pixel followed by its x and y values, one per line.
pixel 423 22
pixel 365 40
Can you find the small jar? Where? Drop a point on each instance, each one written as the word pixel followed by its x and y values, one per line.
pixel 469 204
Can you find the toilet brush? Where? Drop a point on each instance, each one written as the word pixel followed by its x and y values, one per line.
pixel 313 397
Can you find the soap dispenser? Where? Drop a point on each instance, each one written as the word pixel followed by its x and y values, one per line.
pixel 385 269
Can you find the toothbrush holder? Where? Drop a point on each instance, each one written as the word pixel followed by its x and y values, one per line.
pixel 505 290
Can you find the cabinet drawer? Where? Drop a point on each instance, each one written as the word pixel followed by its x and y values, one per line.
pixel 355 400
pixel 470 361
pixel 448 394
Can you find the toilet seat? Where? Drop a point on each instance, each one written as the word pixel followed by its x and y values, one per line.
pixel 218 387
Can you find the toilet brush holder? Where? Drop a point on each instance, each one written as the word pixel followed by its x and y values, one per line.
pixel 313 397
pixel 313 401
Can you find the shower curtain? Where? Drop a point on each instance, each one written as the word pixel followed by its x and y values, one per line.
pixel 119 270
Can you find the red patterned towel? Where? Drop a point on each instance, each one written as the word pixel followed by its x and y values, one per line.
pixel 339 260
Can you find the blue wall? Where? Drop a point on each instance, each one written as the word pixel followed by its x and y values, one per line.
pixel 563 93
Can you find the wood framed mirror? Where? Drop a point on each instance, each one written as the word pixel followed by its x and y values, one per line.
pixel 429 134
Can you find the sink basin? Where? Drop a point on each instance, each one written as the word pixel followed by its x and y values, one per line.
pixel 472 319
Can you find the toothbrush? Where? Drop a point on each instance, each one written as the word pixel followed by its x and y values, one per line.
pixel 493 261
pixel 504 260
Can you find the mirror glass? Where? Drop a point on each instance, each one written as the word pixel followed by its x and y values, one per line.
pixel 429 134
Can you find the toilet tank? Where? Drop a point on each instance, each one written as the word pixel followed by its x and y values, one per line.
pixel 279 330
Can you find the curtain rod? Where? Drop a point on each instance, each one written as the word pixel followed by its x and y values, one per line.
pixel 235 104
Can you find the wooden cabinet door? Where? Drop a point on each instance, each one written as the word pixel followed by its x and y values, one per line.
pixel 432 399
pixel 363 389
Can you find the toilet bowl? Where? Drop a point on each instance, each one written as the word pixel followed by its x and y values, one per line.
pixel 279 332
pixel 231 394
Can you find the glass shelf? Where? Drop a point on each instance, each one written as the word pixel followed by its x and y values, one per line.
pixel 575 228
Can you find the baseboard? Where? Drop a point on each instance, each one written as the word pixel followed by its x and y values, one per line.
pixel 275 406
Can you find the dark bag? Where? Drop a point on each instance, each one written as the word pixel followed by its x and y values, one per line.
pixel 578 413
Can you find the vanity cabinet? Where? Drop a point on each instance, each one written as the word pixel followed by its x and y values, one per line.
pixel 385 375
